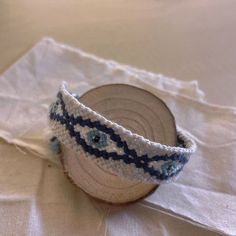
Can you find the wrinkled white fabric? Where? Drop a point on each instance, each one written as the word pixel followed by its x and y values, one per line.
pixel 205 192
pixel 32 83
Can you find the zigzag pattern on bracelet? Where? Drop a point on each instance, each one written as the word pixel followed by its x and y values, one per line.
pixel 99 137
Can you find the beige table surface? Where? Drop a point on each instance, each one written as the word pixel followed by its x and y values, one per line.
pixel 188 40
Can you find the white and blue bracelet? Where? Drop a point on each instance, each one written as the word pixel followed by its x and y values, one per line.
pixel 114 147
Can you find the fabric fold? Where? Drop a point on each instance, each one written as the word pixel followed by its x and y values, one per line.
pixel 204 194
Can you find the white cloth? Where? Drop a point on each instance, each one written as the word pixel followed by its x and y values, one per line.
pixel 205 192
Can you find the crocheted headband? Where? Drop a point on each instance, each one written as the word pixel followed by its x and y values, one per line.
pixel 114 147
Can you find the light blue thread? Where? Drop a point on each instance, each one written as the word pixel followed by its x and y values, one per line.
pixel 171 167
pixel 97 139
pixel 129 156
pixel 54 145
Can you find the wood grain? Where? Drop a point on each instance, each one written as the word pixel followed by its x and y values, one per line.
pixel 135 109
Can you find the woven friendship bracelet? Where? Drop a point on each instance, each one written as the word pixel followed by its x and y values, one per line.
pixel 114 147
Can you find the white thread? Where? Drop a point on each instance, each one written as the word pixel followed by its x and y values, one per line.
pixel 137 142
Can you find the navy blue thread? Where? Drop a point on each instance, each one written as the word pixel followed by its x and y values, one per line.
pixel 130 155
pixel 116 138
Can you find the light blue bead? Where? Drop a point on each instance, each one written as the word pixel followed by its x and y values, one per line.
pixel 102 139
pixel 170 168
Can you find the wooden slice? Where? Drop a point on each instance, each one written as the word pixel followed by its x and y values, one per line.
pixel 135 109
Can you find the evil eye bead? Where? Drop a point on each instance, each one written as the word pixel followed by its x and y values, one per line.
pixel 170 168
pixel 97 139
